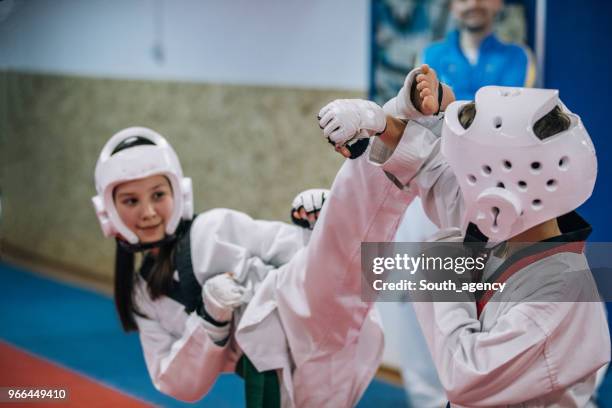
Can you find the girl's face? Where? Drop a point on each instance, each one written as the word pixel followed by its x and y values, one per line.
pixel 145 206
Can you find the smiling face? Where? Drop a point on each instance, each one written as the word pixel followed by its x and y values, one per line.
pixel 476 15
pixel 145 206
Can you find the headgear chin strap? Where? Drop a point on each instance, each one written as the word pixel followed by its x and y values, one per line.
pixel 137 162
pixel 510 179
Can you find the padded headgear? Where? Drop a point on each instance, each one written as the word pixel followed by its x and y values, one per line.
pixel 510 179
pixel 136 162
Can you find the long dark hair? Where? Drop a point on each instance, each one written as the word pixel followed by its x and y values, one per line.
pixel 158 281
pixel 124 288
pixel 159 277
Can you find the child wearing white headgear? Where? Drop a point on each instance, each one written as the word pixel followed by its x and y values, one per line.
pixel 509 168
pixel 222 292
pixel 198 273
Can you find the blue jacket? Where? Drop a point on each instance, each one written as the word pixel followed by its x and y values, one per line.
pixel 498 64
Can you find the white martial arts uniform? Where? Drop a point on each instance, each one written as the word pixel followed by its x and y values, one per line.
pixel 518 354
pixel 419 374
pixel 181 358
pixel 306 319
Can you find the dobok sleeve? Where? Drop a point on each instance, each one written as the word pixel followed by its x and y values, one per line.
pixel 417 165
pixel 524 355
pixel 185 367
pixel 273 241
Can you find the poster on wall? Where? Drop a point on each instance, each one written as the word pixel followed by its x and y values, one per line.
pixel 401 29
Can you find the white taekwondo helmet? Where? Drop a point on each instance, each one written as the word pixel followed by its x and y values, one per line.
pixel 510 179
pixel 133 163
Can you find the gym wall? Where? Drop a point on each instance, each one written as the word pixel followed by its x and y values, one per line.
pixel 235 87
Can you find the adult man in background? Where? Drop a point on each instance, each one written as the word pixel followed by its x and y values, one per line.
pixel 472 56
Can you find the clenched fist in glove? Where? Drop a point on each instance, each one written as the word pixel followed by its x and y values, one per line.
pixel 306 206
pixel 345 119
pixel 221 295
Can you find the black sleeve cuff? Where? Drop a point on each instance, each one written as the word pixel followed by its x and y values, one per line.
pixel 204 314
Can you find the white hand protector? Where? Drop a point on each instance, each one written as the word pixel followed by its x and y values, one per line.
pixel 346 119
pixel 311 201
pixel 221 295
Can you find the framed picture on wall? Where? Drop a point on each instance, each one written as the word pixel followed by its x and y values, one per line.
pixel 402 29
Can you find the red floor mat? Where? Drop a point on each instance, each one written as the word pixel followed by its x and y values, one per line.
pixel 21 369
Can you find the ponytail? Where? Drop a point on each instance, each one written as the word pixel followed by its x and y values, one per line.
pixel 158 281
pixel 124 288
